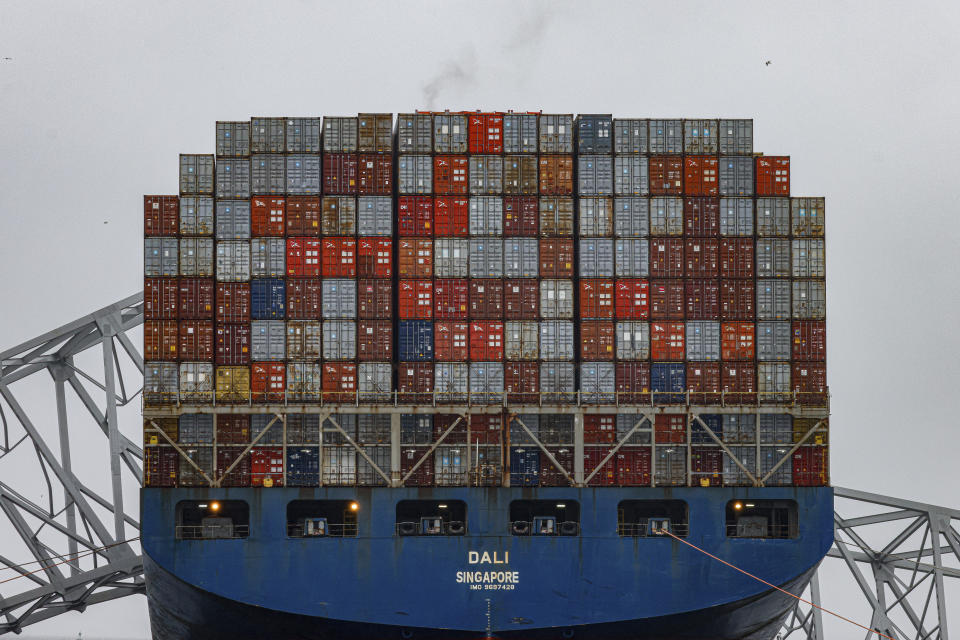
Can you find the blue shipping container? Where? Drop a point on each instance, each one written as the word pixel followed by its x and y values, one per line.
pixel 668 381
pixel 416 340
pixel 303 466
pixel 524 466
pixel 416 429
pixel 268 299
pixel 698 434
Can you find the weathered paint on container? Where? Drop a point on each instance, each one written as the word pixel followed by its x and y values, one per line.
pixel 556 340
pixel 339 299
pixel 486 382
pixel 809 300
pixel 339 134
pixel 196 385
pixel 596 340
pixel 374 341
pixel 557 382
pixel 737 341
pixel 268 174
pixel 773 258
pixel 267 135
pixel 596 299
pixel 302 135
pixel 304 339
pixel 736 176
pixel 521 299
pixel 666 258
pixel 667 340
pixel 666 136
pixel 703 340
pixel 304 383
pixel 196 216
pixel 233 178
pixel 736 217
pixel 666 175
pixel 374 299
pixel 520 133
pixel 521 340
pixel 808 258
pixel 233 139
pixel 449 132
pixel 486 299
pixel 303 215
pixel 556 175
pixel 701 136
pixel 630 136
pixel 338 216
pixel 414 133
pixel 451 380
pixel 233 385
pixel 633 340
pixel 233 302
pixel 268 258
pixel 160 298
pixel 666 216
pixel 773 300
pixel 597 383
pixel 520 175
pixel 521 383
pixel 303 175
pixel 556 216
pixel 736 137
pixel 667 299
pixel 196 174
pixel 773 217
pixel 556 299
pixel 415 299
pixel 702 299
pixel 807 217
pixel 375 133
pixel 196 257
pixel 339 340
pixel 556 133
pixel 594 175
pixel 374 382
pixel 485 175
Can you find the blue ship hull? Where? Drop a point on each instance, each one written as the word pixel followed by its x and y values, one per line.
pixel 378 586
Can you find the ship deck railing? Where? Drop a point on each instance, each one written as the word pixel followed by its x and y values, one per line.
pixel 642 530
pixel 774 531
pixel 448 528
pixel 211 532
pixel 347 530
pixel 564 528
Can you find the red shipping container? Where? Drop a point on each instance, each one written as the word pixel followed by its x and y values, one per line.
pixel 521 382
pixel 739 380
pixel 809 380
pixel 486 299
pixel 670 428
pixel 667 341
pixel 375 174
pixel 266 466
pixel 196 298
pixel 233 429
pixel 607 475
pixel 415 257
pixel 442 422
pixel 411 457
pixel 415 299
pixel 415 382
pixel 810 466
pixel 703 382
pixel 161 215
pixel 701 257
pixel 773 176
pixel 737 299
pixel 596 340
pixel 706 465
pixel 160 340
pixel 233 344
pixel 599 428
pixel 632 299
pixel 737 257
pixel 666 175
pixel 374 257
pixel 303 257
pixel 267 216
pixel 340 173
pixel 239 475
pixel 233 302
pixel 485 132
pixel 737 341
pixel 304 299
pixel 486 341
pixel 415 216
pixel 160 298
pixel 450 175
pixel 633 466
pixel 375 340
pixel 550 475
pixel 450 341
pixel 596 299
pixel 667 299
pixel 633 382
pixel 521 216
pixel 374 299
pixel 196 340
pixel 556 257
pixel 701 217
pixel 810 340
pixel 666 258
pixel 556 175
pixel 450 299
pixel 700 176
pixel 268 381
pixel 339 382
pixel 161 466
pixel 451 216
pixel 521 299
pixel 485 428
pixel 338 258
pixel 303 215
pixel 702 299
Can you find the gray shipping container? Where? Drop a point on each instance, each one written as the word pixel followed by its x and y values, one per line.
pixel 267 135
pixel 773 382
pixel 268 340
pixel 339 217
pixel 339 134
pixel 597 383
pixel 807 215
pixel 773 341
pixel 196 174
pixel 196 216
pixel 366 475
pixel 736 217
pixel 486 383
pixel 160 382
pixel 233 219
pixel 339 340
pixel 374 380
pixel 233 261
pixel 631 175
pixel 631 257
pixel 486 175
pixel 196 385
pixel 556 299
pixel 809 300
pixel 556 133
pixel 595 175
pixel 268 174
pixel 195 428
pixel 596 217
pixel 736 176
pixel 626 422
pixel 303 135
pixel 373 429
pixel 518 435
pixel 160 257
pixel 773 217
pixel 414 175
pixel 776 428
pixel 451 382
pixel 633 340
pixel 773 299
pixel 630 136
pixel 303 174
pixel 264 422
pixel 486 216
pixel 556 340
pixel 233 178
pixel 521 258
pixel 339 299
pixel 332 435
pixel 521 340
pixel 770 456
pixel 339 466
pixel 700 136
pixel 666 216
pixel 736 137
pixel 374 216
pixel 670 466
pixel 666 136
pixel 449 133
pixel 631 217
pixel 450 465
pixel 268 257
pixel 202 457
pixel 233 139
pixel 773 258
pixel 486 257
pixel 519 133
pixel 196 257
pixel 558 382
pixel 739 428
pixel 809 260
pixel 451 257
pixel 556 216
pixel 304 381
pixel 303 429
pixel 414 133
pixel 596 257
pixel 703 341
pixel 733 475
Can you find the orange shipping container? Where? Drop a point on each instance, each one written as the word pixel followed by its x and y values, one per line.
pixel 267 216
pixel 451 216
pixel 450 175
pixel 596 299
pixel 485 132
pixel 338 258
pixel 268 381
pixel 415 257
pixel 339 382
pixel 415 299
pixel 303 215
pixel 450 341
pixel 773 176
pixel 667 341
pixel 596 340
pixel 374 257
pixel 556 175
pixel 303 257
pixel 737 341
pixel 486 341
pixel 700 176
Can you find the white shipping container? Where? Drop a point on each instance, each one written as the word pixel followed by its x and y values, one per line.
pixel 233 261
pixel 196 257
pixel 161 257
pixel 268 340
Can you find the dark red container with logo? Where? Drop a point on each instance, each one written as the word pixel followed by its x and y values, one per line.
pixel 415 216
pixel 486 299
pixel 632 300
pixel 702 299
pixel 415 299
pixel 809 340
pixel 303 258
pixel 268 382
pixel 667 299
pixel 303 215
pixel 160 298
pixel 374 257
pixel 338 257
pixel 700 176
pixel 737 298
pixel 268 216
pixel 304 299
pixel 738 341
pixel 450 175
pixel 375 299
pixel 451 299
pixel 596 340
pixel 596 299
pixel 339 382
pixel 773 175
pixel 340 173
pixel 196 340
pixel 599 428
pixel 521 216
pixel 486 341
pixel 485 132
pixel 451 216
pixel 451 341
pixel 703 382
pixel 521 382
pixel 666 175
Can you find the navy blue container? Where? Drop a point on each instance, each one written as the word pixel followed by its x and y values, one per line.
pixel 698 434
pixel 524 466
pixel 595 134
pixel 416 340
pixel 303 466
pixel 268 299
pixel 416 429
pixel 668 380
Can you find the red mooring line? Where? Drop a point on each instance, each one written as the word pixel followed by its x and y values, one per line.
pixel 792 595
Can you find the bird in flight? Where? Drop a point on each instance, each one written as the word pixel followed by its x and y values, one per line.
pixel 768 62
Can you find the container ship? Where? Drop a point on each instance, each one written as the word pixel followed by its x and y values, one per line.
pixel 462 375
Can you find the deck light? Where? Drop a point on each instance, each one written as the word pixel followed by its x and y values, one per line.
pixel 738 505
pixel 214 506
pixel 354 506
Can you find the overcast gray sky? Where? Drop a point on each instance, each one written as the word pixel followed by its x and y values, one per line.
pixel 97 99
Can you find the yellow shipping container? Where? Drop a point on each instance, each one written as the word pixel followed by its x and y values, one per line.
pixel 802 425
pixel 233 385
pixel 167 425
